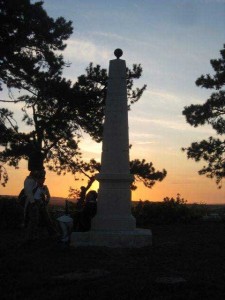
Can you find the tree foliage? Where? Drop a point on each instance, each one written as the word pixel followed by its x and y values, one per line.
pixel 55 111
pixel 28 41
pixel 29 63
pixel 143 172
pixel 172 210
pixel 212 112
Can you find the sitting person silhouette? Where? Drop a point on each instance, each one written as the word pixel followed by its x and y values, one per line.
pixel 89 210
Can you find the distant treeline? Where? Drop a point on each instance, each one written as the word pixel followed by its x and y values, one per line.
pixel 166 212
pixel 169 211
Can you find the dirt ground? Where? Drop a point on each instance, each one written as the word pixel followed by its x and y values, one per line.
pixel 185 262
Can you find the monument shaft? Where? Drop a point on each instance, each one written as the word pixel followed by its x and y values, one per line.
pixel 114 197
pixel 115 150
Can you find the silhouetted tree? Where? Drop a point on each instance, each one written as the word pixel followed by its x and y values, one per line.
pixel 143 172
pixel 212 112
pixel 55 111
pixel 29 39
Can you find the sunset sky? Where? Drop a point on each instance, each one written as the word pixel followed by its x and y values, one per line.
pixel 174 42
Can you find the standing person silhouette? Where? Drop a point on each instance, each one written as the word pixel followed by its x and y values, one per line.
pixel 31 184
pixel 42 198
pixel 31 210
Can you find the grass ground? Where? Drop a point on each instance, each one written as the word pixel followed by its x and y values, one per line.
pixel 193 252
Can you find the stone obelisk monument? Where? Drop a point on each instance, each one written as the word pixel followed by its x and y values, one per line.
pixel 114 197
pixel 114 226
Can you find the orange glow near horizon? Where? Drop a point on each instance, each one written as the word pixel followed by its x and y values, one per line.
pixel 198 189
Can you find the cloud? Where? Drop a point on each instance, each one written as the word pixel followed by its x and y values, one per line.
pixel 177 124
pixel 108 35
pixel 143 138
pixel 163 96
pixel 114 36
pixel 89 147
pixel 143 135
pixel 145 143
pixel 85 51
pixel 175 99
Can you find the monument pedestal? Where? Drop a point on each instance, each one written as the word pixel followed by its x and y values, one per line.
pixel 136 238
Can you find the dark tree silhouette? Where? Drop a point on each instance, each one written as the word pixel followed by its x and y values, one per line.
pixel 143 172
pixel 55 111
pixel 212 112
pixel 28 41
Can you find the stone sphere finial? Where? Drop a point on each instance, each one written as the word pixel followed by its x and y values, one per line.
pixel 118 53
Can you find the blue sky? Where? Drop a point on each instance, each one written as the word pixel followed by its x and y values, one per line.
pixel 174 42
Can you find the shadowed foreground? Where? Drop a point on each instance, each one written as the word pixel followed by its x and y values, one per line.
pixel 185 262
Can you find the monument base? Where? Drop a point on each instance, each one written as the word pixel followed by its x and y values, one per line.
pixel 114 239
